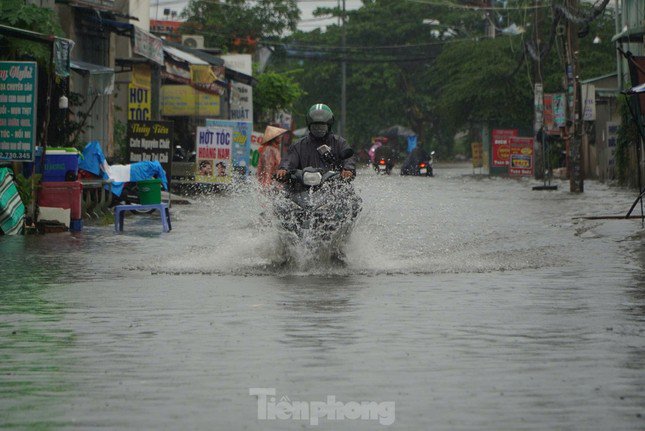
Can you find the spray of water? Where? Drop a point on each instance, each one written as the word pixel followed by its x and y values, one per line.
pixel 407 226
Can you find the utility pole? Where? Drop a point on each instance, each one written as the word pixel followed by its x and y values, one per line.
pixel 574 123
pixel 343 86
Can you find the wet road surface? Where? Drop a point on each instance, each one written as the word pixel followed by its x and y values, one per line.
pixel 464 303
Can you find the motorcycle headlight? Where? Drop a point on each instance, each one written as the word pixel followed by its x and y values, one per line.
pixel 311 178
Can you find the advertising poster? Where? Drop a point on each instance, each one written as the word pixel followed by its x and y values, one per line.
pixel 151 140
pixel 242 131
pixel 538 107
pixel 18 86
pixel 500 146
pixel 559 110
pixel 256 142
pixel 521 157
pixel 214 155
pixel 478 160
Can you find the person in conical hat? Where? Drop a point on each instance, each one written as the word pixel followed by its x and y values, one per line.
pixel 269 155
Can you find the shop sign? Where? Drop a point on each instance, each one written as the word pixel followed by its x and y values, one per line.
pixel 214 155
pixel 521 156
pixel 18 93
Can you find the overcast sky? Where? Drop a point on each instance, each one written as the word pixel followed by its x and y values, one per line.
pixel 308 22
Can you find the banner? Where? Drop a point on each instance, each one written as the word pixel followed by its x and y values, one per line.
pixel 521 157
pixel 214 155
pixel 18 87
pixel 477 154
pixel 242 132
pixel 151 140
pixel 148 45
pixel 185 101
pixel 500 146
pixel 588 102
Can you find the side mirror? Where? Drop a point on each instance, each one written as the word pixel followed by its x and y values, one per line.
pixel 346 153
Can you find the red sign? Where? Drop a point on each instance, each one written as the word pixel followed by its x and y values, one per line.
pixel 500 146
pixel 521 157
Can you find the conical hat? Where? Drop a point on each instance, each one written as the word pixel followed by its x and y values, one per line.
pixel 272 132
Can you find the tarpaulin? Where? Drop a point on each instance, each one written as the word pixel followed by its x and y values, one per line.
pixel 12 211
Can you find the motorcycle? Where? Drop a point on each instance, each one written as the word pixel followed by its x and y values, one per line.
pixel 317 207
pixel 422 167
pixel 383 166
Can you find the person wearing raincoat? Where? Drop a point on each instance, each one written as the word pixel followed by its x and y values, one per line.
pixel 269 155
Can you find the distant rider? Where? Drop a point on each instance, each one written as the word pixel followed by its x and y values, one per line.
pixel 304 152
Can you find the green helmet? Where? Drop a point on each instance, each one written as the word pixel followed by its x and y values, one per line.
pixel 320 113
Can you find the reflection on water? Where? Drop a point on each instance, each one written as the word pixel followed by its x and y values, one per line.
pixel 319 312
pixel 471 304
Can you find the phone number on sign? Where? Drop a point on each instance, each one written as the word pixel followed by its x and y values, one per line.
pixel 15 156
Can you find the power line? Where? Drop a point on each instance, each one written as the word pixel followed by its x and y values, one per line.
pixel 450 4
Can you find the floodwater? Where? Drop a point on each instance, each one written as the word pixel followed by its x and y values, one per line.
pixel 464 303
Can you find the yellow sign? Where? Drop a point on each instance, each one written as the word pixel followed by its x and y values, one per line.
pixel 139 105
pixel 141 76
pixel 476 148
pixel 184 100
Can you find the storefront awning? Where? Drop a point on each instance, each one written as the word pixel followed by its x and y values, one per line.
pixel 183 56
pixel 62 47
pixel 98 80
pixel 240 77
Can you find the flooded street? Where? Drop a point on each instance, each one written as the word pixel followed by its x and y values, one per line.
pixel 463 303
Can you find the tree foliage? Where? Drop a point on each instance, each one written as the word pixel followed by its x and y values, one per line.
pixel 441 78
pixel 233 24
pixel 16 13
pixel 274 91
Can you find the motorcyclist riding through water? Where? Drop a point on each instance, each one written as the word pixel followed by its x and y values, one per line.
pixel 313 149
pixel 317 207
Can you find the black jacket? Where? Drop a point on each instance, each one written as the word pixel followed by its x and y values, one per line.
pixel 304 153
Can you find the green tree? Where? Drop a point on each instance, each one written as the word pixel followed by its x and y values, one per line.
pixel 16 13
pixel 437 79
pixel 481 86
pixel 273 92
pixel 230 24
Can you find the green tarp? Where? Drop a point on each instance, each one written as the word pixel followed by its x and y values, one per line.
pixel 12 211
